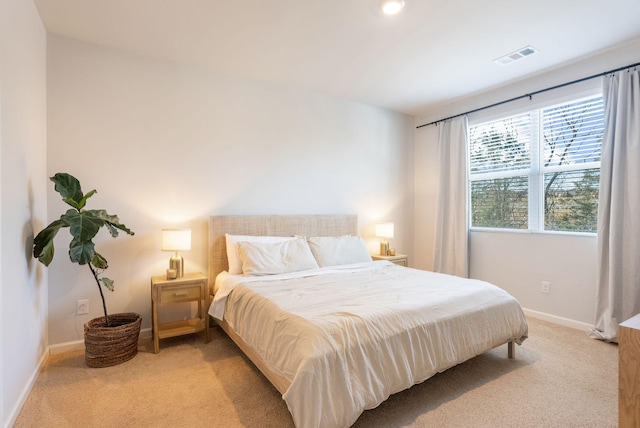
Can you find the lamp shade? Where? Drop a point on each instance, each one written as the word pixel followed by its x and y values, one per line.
pixel 384 230
pixel 176 239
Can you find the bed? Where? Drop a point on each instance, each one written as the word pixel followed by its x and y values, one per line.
pixel 339 337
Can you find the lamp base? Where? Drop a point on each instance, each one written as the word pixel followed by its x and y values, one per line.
pixel 384 248
pixel 177 262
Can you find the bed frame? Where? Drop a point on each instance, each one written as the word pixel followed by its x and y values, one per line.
pixel 274 225
pixel 278 225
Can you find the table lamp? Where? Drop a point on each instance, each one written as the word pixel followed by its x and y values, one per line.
pixel 176 240
pixel 384 230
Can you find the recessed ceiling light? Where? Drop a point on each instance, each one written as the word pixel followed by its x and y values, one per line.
pixel 391 7
pixel 514 56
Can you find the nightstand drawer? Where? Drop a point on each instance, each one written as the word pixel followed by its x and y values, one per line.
pixel 182 294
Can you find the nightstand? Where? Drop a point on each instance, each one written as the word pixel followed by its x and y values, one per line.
pixel 399 259
pixel 192 287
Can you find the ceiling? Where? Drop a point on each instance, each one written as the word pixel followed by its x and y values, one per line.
pixel 432 52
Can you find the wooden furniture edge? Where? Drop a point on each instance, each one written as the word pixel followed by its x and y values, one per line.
pixel 280 382
pixel 628 373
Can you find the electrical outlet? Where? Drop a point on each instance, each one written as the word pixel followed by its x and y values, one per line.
pixel 83 307
pixel 544 287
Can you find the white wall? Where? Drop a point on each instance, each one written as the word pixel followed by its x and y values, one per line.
pixel 23 286
pixel 518 262
pixel 168 144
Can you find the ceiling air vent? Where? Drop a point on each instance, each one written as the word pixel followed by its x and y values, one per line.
pixel 514 56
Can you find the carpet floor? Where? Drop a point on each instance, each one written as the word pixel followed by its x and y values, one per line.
pixel 559 378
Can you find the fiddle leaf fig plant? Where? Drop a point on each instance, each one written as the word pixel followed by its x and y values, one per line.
pixel 83 225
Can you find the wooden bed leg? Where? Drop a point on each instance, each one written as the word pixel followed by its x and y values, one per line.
pixel 511 349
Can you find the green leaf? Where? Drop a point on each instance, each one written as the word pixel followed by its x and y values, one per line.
pixel 79 204
pixel 69 188
pixel 71 202
pixel 112 227
pixel 84 225
pixel 108 283
pixel 99 261
pixel 83 201
pixel 81 252
pixel 111 221
pixel 43 243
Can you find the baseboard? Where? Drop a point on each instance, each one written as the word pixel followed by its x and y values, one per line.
pixel 566 322
pixel 61 348
pixel 26 391
pixel 145 333
pixel 78 345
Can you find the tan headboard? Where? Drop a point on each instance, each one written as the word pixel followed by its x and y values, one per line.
pixel 271 225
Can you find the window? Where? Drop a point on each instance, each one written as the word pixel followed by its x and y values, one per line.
pixel 539 170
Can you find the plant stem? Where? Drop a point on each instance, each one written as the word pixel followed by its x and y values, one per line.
pixel 104 304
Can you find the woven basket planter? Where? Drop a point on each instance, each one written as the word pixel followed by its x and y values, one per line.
pixel 109 346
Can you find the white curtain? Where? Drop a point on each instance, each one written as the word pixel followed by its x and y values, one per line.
pixel 452 226
pixel 619 206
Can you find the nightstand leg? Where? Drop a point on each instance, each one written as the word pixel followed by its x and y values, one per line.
pixel 154 324
pixel 206 317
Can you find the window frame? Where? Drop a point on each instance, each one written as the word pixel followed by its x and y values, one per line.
pixel 536 171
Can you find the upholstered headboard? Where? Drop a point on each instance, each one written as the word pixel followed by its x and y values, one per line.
pixel 271 225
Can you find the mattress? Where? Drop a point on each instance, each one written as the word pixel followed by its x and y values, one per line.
pixel 347 337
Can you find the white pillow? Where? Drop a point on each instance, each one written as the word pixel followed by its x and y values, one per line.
pixel 338 250
pixel 235 264
pixel 273 258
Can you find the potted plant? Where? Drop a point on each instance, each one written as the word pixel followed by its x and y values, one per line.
pixel 111 339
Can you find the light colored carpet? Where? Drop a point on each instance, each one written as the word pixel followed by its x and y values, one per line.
pixel 560 378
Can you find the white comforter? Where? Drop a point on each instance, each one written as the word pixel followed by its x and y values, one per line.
pixel 348 337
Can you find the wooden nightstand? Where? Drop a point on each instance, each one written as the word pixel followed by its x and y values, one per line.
pixel 399 259
pixel 192 287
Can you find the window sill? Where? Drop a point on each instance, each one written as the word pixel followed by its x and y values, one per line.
pixel 532 232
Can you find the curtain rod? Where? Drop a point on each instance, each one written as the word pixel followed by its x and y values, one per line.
pixel 435 122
